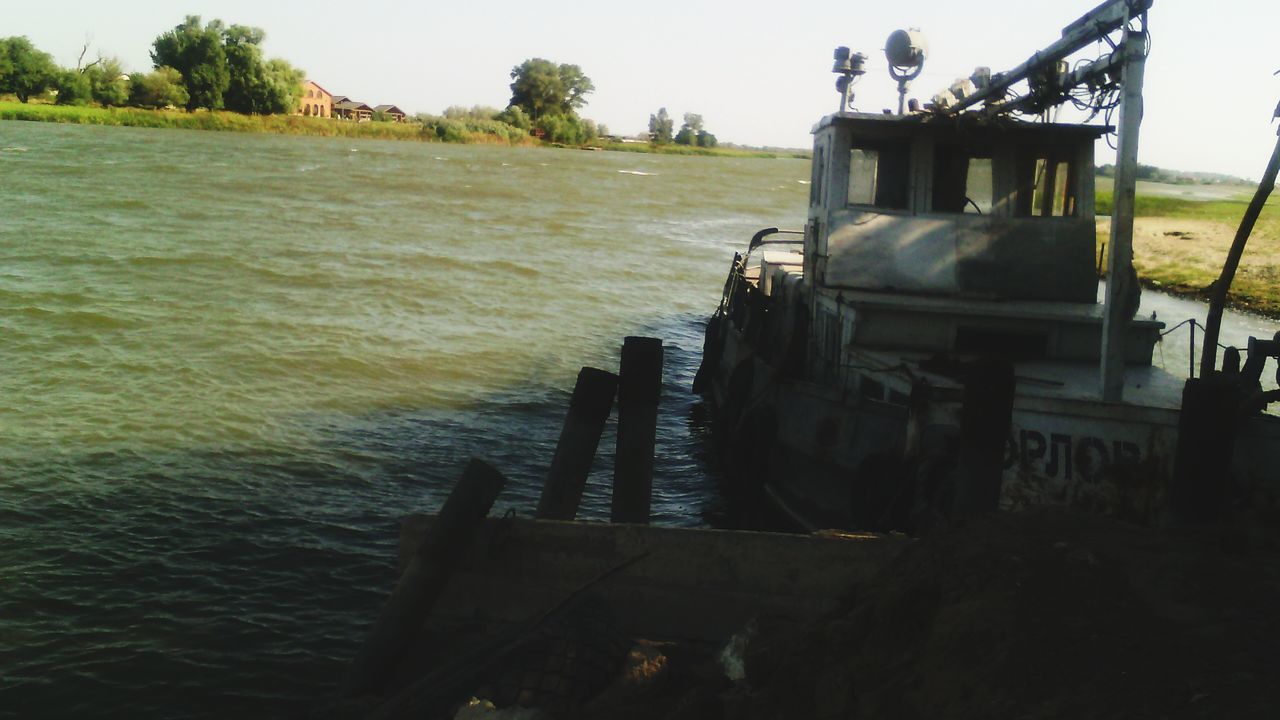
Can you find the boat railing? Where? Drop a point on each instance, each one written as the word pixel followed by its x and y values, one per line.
pixel 762 238
pixel 735 285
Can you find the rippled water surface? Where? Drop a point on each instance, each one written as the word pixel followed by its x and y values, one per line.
pixel 230 363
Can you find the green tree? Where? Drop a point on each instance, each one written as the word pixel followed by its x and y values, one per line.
pixel 197 52
pixel 158 89
pixel 690 130
pixel 73 88
pixel 475 112
pixel 24 70
pixel 539 87
pixel 515 117
pixel 256 86
pixel 706 139
pixel 109 83
pixel 564 129
pixel 660 127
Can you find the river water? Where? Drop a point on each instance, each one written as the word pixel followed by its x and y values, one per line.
pixel 230 363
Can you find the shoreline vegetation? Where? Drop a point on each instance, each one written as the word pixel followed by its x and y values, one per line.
pixel 425 128
pixel 1180 243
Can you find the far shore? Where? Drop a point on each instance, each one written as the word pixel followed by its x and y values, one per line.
pixel 443 130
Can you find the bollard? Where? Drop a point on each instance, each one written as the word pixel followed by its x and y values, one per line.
pixel 986 414
pixel 640 385
pixel 588 411
pixel 425 578
pixel 1207 425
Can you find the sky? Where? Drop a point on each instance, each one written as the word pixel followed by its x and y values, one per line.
pixel 758 72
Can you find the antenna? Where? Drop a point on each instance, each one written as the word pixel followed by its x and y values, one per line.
pixel 906 51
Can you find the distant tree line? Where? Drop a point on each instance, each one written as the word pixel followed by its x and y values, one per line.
pixel 691 132
pixel 212 66
pixel 215 66
pixel 1175 177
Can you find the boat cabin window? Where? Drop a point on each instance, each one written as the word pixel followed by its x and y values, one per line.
pixel 962 181
pixel 878 175
pixel 1046 184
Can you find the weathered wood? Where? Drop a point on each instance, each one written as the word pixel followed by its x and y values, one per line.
pixel 1207 429
pixel 985 415
pixel 1122 288
pixel 463 673
pixel 640 386
pixel 425 577
pixel 692 585
pixel 579 438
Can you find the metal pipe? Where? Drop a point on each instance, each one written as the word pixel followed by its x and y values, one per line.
pixel 1104 19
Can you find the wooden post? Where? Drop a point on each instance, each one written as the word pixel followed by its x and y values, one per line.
pixel 588 410
pixel 985 416
pixel 639 388
pixel 1207 426
pixel 1121 280
pixel 425 578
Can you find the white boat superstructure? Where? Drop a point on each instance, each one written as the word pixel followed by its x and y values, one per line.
pixel 935 343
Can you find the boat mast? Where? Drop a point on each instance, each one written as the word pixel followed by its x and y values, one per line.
pixel 1122 290
pixel 1128 62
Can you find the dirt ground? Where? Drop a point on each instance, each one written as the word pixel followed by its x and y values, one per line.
pixel 1041 614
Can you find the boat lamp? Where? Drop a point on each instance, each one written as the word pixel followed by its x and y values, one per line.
pixel 849 66
pixel 906 51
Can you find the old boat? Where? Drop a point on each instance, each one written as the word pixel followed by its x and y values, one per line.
pixel 933 341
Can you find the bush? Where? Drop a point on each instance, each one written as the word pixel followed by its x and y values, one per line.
pixel 515 117
pixel 563 129
pixel 73 88
pixel 475 112
pixel 111 86
pixel 159 89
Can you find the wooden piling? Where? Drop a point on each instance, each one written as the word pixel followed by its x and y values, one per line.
pixel 425 577
pixel 588 411
pixel 986 414
pixel 640 386
pixel 1207 425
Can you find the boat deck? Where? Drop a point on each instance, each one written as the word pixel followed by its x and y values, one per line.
pixel 1145 386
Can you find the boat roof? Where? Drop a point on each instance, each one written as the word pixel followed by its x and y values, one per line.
pixel 874 122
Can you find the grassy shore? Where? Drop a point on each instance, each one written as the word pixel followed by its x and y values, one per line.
pixel 277 124
pixel 436 130
pixel 1180 244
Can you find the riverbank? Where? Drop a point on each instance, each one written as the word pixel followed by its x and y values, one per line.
pixel 1180 244
pixel 466 130
pixel 444 130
